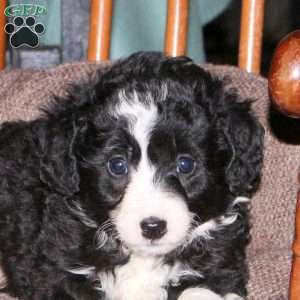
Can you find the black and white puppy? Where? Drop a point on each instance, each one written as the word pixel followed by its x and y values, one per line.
pixel 134 187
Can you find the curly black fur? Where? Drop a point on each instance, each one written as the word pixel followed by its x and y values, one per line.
pixel 51 166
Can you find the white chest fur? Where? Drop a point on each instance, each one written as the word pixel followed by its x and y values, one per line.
pixel 143 278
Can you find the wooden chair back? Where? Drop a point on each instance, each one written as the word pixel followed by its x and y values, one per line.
pixel 177 28
pixel 176 31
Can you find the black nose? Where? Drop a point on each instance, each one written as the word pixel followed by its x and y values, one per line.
pixel 153 228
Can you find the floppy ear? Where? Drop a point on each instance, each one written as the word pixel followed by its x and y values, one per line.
pixel 239 134
pixel 58 165
pixel 243 137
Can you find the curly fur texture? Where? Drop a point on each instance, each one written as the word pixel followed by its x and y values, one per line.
pixel 70 229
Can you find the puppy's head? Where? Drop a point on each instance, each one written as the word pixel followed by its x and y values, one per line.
pixel 159 144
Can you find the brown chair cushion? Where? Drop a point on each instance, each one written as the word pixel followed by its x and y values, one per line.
pixel 269 254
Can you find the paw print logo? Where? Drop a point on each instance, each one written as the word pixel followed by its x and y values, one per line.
pixel 24 31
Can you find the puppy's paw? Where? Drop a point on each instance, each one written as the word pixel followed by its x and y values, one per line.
pixel 233 297
pixel 200 294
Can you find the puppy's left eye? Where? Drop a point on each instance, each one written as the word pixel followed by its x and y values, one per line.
pixel 118 166
pixel 185 165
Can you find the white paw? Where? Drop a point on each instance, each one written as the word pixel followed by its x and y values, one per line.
pixel 199 294
pixel 233 297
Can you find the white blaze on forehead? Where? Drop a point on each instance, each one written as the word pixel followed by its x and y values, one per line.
pixel 141 116
pixel 144 197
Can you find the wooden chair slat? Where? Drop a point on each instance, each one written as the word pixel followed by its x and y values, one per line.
pixel 177 27
pixel 100 30
pixel 251 31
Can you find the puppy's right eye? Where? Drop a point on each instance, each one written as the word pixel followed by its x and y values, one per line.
pixel 185 165
pixel 118 166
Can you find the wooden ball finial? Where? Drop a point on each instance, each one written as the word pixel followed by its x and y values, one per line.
pixel 284 76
